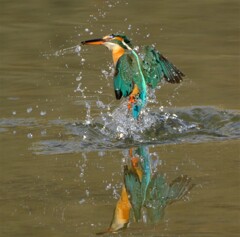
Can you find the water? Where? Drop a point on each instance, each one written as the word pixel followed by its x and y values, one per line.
pixel 65 140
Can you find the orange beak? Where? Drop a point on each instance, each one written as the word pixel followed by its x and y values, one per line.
pixel 94 42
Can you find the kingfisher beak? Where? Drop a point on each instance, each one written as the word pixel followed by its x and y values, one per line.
pixel 93 42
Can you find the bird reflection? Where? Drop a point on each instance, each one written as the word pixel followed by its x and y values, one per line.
pixel 144 194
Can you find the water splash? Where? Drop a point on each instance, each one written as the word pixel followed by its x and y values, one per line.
pixel 80 88
pixel 71 50
pixel 117 130
pixel 88 119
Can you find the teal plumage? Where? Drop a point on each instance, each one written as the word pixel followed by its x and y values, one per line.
pixel 123 78
pixel 154 66
pixel 128 73
pixel 133 187
pixel 136 185
pixel 133 73
pixel 160 194
pixel 152 192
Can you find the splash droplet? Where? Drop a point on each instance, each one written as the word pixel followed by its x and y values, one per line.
pixel 29 135
pixel 81 201
pixel 78 49
pixel 29 110
pixel 43 113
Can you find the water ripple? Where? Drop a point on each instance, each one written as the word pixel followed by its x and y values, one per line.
pixel 118 130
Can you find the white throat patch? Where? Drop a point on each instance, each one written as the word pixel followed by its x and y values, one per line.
pixel 110 45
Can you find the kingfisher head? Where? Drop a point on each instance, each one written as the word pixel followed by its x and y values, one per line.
pixel 112 41
pixel 117 43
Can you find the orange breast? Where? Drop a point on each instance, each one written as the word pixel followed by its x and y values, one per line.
pixel 123 206
pixel 117 52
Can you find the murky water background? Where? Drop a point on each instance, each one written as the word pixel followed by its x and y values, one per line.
pixel 65 140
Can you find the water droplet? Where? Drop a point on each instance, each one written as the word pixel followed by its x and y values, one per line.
pixel 109 186
pixel 82 201
pixel 43 113
pixel 81 175
pixel 78 49
pixel 100 104
pixel 14 113
pixel 79 78
pixel 136 48
pixel 29 110
pixel 121 135
pixel 29 135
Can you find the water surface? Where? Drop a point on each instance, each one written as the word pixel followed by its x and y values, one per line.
pixel 65 140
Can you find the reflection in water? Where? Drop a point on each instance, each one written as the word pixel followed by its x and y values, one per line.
pixel 145 193
pixel 44 128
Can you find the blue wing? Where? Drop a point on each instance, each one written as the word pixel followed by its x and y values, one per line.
pixel 156 67
pixel 123 78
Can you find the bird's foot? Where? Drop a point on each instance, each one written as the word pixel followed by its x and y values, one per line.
pixel 135 161
pixel 131 101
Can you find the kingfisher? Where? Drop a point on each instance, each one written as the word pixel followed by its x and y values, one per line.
pixel 133 72
pixel 145 190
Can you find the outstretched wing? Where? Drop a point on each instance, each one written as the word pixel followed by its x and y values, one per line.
pixel 156 67
pixel 123 78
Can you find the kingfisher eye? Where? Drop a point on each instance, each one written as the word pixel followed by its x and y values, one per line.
pixel 112 36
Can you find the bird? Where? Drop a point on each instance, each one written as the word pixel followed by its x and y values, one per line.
pixel 136 179
pixel 160 194
pixel 133 73
pixel 145 193
pixel 121 214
